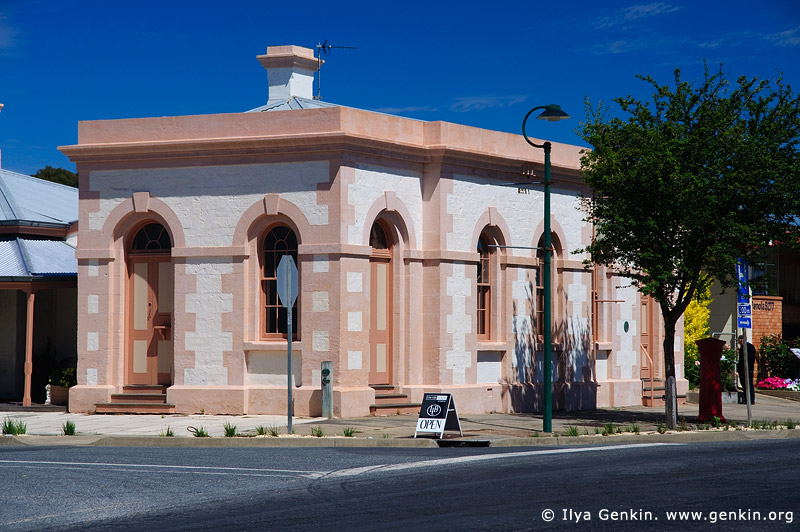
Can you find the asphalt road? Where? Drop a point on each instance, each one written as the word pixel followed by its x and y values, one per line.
pixel 753 482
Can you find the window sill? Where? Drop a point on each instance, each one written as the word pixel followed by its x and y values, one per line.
pixel 490 345
pixel 272 345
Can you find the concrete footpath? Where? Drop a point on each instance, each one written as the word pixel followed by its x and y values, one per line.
pixel 45 428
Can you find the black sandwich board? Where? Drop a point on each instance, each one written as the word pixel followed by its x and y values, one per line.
pixel 438 414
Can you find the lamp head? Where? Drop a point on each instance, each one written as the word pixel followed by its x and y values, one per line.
pixel 553 113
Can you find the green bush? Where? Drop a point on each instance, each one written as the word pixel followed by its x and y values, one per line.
pixel 727 369
pixel 691 368
pixel 775 358
pixel 63 377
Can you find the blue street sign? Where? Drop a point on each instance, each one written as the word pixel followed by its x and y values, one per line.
pixel 745 310
pixel 743 291
pixel 745 323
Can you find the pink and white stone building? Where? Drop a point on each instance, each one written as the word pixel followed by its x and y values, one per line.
pixel 416 264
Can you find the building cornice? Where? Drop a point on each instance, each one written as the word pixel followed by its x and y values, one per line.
pixel 311 131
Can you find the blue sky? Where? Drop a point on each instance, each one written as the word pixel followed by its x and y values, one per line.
pixel 483 64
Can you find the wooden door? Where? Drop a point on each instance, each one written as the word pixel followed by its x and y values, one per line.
pixel 645 324
pixel 380 330
pixel 149 359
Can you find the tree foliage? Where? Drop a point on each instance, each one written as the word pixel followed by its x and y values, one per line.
pixel 695 327
pixel 58 175
pixel 689 181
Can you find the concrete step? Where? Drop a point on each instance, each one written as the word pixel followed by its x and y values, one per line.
pixel 388 409
pixel 144 388
pixel 390 398
pixel 659 399
pixel 134 408
pixel 149 398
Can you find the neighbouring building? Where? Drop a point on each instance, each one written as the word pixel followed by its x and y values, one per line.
pixel 38 284
pixel 774 304
pixel 417 265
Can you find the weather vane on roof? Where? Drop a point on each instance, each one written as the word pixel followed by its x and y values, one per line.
pixel 325 48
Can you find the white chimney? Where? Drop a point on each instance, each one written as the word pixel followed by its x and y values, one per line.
pixel 290 71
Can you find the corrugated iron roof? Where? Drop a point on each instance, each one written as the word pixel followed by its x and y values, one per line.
pixel 27 199
pixel 11 261
pixel 295 102
pixel 28 258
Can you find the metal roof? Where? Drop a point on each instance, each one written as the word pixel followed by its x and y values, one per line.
pixel 29 258
pixel 27 200
pixel 11 262
pixel 295 102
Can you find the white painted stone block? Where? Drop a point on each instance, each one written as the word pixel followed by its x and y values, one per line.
pixel 208 341
pixel 370 185
pixel 354 359
pixel 93 304
pixel 354 321
pixel 320 341
pixel 321 264
pixel 319 302
pixel 92 341
pixel 355 282
pixel 91 376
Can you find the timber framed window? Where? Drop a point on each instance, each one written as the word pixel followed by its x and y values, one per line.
pixel 484 288
pixel 278 241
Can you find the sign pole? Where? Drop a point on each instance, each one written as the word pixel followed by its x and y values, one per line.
pixel 744 321
pixel 287 294
pixel 289 357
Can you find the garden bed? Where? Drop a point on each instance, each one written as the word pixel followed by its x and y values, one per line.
pixel 783 394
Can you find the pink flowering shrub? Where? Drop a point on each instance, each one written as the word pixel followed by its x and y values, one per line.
pixel 772 383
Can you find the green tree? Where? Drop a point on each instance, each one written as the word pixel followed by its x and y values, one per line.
pixel 58 175
pixel 686 183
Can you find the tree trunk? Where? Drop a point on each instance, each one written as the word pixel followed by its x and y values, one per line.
pixel 670 384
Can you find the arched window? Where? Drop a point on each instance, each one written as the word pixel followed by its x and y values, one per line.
pixel 484 287
pixel 152 238
pixel 278 241
pixel 377 237
pixel 554 282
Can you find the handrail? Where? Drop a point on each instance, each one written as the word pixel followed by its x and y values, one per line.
pixel 650 361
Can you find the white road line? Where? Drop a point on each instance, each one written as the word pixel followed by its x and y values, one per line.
pixel 200 469
pixel 341 473
pixel 480 458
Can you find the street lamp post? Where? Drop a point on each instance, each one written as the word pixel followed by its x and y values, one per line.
pixel 551 113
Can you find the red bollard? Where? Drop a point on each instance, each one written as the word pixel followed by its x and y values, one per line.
pixel 710 385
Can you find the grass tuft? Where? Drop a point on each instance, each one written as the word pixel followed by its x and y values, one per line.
pixel 68 428
pixel 230 430
pixel 317 432
pixel 14 427
pixel 198 432
pixel 349 432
